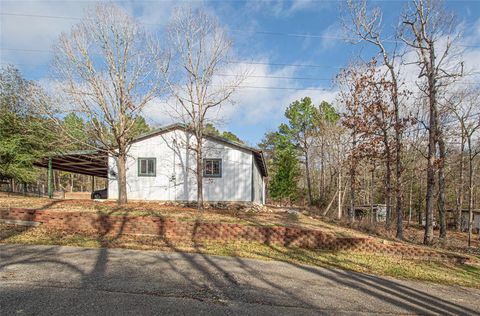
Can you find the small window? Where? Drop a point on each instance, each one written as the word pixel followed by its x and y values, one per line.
pixel 212 168
pixel 147 167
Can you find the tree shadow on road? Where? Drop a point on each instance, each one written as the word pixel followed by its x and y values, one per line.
pixel 209 279
pixel 385 289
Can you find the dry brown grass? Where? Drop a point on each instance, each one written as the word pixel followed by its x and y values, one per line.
pixel 456 241
pixel 269 216
pixel 433 271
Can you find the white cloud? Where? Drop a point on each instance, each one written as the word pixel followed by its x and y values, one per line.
pixel 284 8
pixel 331 35
pixel 35 33
pixel 255 104
pixel 158 112
pixel 36 25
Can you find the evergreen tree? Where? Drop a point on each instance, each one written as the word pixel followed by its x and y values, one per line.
pixel 24 136
pixel 302 127
pixel 212 130
pixel 285 169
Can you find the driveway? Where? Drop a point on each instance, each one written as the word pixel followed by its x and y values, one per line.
pixel 52 280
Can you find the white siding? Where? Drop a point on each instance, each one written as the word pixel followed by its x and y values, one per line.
pixel 175 171
pixel 257 183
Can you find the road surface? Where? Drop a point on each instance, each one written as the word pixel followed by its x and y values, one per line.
pixel 52 280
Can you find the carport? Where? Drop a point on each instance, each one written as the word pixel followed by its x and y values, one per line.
pixel 88 162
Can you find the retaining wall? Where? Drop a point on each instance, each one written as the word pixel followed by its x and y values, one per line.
pixel 172 230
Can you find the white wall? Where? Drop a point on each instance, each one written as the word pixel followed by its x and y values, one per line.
pixel 175 171
pixel 257 183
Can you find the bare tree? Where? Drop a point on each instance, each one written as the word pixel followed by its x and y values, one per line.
pixel 428 30
pixel 107 69
pixel 456 103
pixel 367 26
pixel 470 125
pixel 201 49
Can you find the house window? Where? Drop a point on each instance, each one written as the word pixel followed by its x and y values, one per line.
pixel 212 168
pixel 147 167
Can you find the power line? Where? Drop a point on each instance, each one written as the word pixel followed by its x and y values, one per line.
pixel 40 16
pixel 275 88
pixel 278 77
pixel 228 62
pixel 26 50
pixel 219 75
pixel 230 75
pixel 283 88
pixel 248 32
pixel 283 65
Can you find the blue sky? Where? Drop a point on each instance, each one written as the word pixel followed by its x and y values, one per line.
pixel 255 111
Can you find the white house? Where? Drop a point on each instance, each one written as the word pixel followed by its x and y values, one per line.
pixel 161 167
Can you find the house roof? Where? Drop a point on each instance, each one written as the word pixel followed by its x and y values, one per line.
pixel 95 162
pixel 257 153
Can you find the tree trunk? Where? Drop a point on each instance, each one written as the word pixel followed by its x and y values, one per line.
pixel 339 213
pixel 398 180
pixel 351 212
pixel 122 179
pixel 470 215
pixel 460 191
pixel 372 201
pixel 441 185
pixel 470 191
pixel 398 151
pixel 71 182
pixel 199 171
pixel 432 132
pixel 309 181
pixel 432 140
pixel 410 193
pixel 352 178
pixel 419 209
pixel 323 176
pixel 388 185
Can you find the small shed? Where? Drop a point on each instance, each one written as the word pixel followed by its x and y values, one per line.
pixel 451 215
pixel 376 211
pixel 476 220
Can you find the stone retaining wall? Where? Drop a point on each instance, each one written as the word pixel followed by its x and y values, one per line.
pixel 172 230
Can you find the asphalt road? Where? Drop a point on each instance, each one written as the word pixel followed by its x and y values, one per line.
pixel 51 280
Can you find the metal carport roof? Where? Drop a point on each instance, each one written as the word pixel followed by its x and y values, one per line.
pixel 88 162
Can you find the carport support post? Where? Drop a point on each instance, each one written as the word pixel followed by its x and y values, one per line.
pixel 50 176
pixel 93 183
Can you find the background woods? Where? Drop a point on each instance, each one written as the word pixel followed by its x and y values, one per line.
pixel 404 135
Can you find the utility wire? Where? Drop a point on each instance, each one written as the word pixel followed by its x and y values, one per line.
pixel 219 75
pixel 229 62
pixel 274 88
pixel 241 31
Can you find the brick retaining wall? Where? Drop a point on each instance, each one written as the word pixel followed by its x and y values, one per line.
pixel 172 230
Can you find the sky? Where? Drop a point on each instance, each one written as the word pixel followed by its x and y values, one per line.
pixel 284 66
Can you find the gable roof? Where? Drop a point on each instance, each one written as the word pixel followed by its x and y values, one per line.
pixel 257 153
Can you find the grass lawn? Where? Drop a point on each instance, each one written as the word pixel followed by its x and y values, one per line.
pixel 438 272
